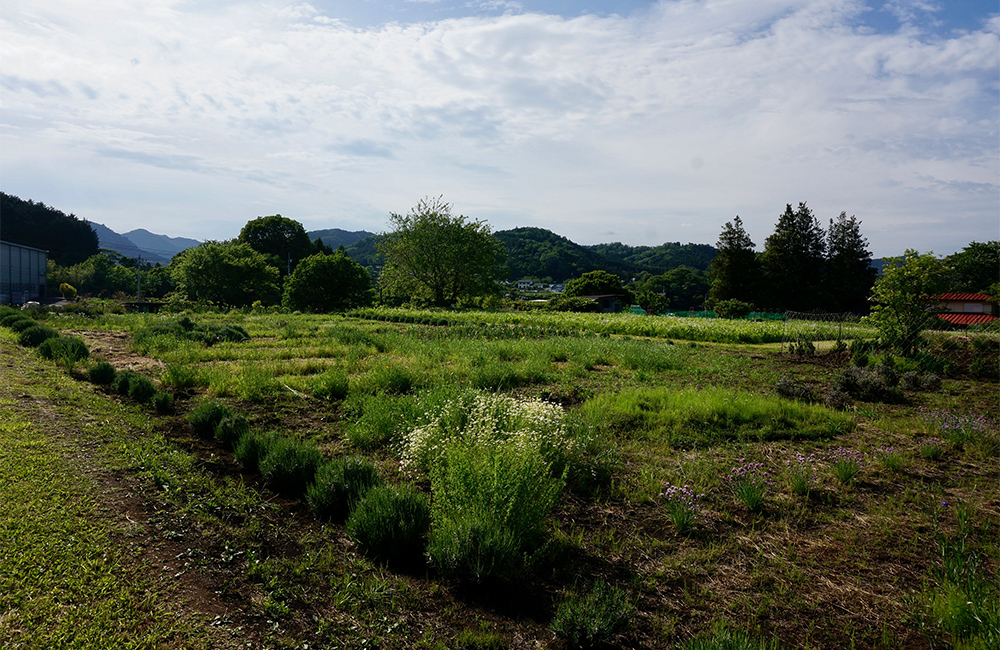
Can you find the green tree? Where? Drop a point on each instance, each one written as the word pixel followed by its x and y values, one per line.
pixel 794 260
pixel 433 256
pixel 325 283
pixel 735 272
pixel 681 289
pixel 849 273
pixel 228 273
pixel 597 283
pixel 976 268
pixel 903 299
pixel 284 241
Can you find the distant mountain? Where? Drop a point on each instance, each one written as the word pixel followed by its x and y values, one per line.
pixel 539 253
pixel 335 237
pixel 155 249
pixel 659 259
pixel 159 244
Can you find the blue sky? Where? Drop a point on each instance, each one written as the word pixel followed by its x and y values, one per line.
pixel 641 122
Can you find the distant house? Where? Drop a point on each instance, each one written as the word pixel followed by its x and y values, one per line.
pixel 966 309
pixel 22 273
pixel 524 284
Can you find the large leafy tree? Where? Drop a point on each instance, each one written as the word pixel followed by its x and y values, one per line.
pixel 433 256
pixel 595 283
pixel 735 273
pixel 681 289
pixel 325 283
pixel 976 268
pixel 849 273
pixel 793 261
pixel 228 273
pixel 903 299
pixel 284 241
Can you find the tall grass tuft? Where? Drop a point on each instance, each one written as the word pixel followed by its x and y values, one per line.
pixel 490 501
pixel 391 522
pixel 231 428
pixel 339 484
pixel 252 447
pixel 593 620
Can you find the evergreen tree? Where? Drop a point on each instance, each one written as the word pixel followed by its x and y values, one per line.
pixel 794 260
pixel 735 272
pixel 849 273
pixel 975 269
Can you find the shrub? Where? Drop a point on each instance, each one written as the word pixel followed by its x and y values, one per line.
pixel 64 349
pixel 252 447
pixel 733 309
pixel 289 466
pixel 339 484
pixel 793 390
pixel 594 619
pixel 33 336
pixel 102 373
pixel 802 347
pixel 141 389
pixel 122 381
pixel 180 376
pixel 163 401
pixel 391 522
pixel 17 322
pixel 68 291
pixel 206 417
pixel 573 304
pixel 231 428
pixel 870 384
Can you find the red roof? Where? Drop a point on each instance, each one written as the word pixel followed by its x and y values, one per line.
pixel 978 297
pixel 967 319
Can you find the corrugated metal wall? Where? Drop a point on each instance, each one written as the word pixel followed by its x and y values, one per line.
pixel 22 273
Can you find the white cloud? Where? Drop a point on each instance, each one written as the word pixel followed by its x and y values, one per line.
pixel 523 119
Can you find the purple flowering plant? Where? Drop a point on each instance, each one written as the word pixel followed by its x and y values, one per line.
pixel 800 473
pixel 932 448
pixel 682 506
pixel 890 458
pixel 959 429
pixel 750 482
pixel 845 464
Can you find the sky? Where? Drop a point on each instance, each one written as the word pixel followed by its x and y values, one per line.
pixel 635 121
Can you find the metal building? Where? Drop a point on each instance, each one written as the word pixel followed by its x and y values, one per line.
pixel 22 273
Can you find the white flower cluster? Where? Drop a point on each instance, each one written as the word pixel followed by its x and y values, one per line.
pixel 480 419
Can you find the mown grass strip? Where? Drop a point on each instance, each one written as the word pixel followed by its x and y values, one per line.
pixel 62 582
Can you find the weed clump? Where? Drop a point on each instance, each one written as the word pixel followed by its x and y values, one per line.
pixel 793 390
pixel 594 619
pixel 391 522
pixel 331 385
pixel 339 484
pixel 101 373
pixel 186 329
pixel 206 417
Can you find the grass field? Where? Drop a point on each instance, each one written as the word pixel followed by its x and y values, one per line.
pixel 564 480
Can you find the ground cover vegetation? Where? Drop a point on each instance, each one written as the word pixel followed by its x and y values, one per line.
pixel 441 479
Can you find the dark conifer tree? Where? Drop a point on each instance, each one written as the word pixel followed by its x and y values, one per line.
pixel 794 260
pixel 735 272
pixel 849 273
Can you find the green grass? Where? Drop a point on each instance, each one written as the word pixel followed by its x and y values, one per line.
pixel 700 418
pixel 64 581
